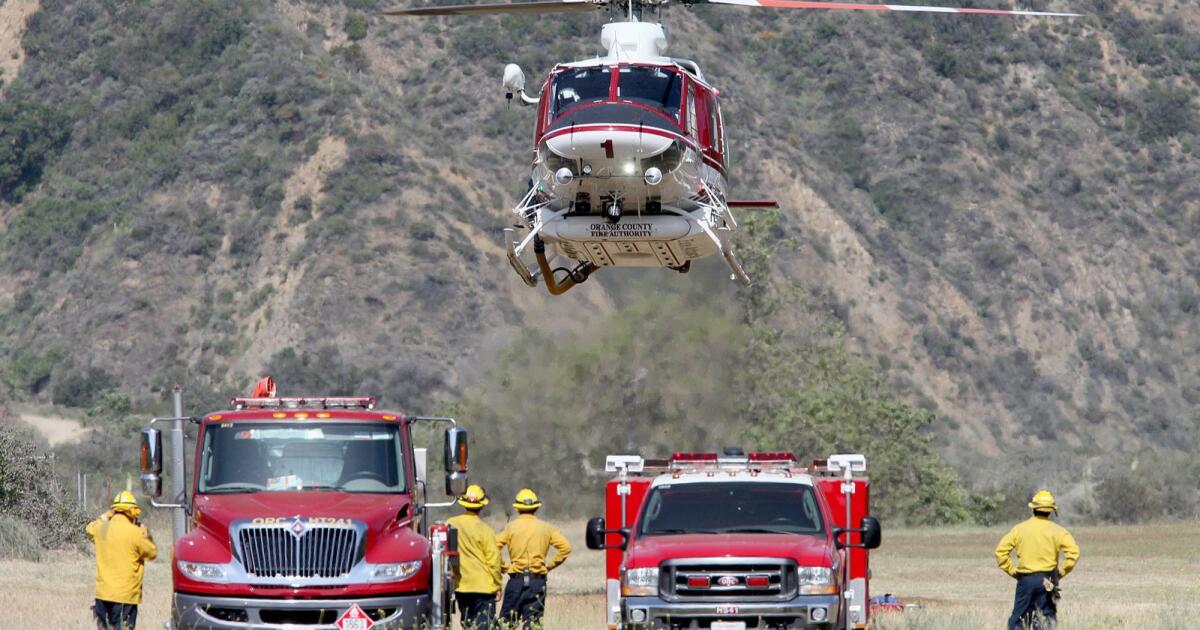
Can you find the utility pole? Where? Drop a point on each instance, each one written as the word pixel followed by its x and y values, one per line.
pixel 178 487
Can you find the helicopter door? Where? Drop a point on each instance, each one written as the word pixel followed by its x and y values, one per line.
pixel 705 128
pixel 714 138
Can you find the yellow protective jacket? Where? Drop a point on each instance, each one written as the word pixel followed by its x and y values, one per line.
pixel 478 555
pixel 1038 542
pixel 529 541
pixel 122 548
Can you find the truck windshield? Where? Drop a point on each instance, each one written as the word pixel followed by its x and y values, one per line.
pixel 655 87
pixel 265 456
pixel 575 86
pixel 730 507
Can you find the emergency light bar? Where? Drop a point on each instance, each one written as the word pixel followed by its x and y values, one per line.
pixel 693 457
pixel 780 457
pixel 323 402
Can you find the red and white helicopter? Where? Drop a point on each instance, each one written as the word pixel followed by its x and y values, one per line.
pixel 631 162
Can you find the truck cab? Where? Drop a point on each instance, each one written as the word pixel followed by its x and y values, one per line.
pixel 305 512
pixel 734 541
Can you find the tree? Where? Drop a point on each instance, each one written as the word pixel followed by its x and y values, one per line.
pixel 803 389
pixel 31 135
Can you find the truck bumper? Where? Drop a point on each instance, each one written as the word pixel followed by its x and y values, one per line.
pixel 203 612
pixel 805 612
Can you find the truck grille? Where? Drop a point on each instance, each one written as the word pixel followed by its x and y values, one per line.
pixel 298 551
pixel 734 577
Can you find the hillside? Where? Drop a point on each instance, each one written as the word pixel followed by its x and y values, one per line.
pixel 1004 214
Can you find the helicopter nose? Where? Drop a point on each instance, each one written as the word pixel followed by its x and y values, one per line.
pixel 608 139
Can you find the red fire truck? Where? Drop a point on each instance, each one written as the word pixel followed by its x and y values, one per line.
pixel 736 541
pixel 305 513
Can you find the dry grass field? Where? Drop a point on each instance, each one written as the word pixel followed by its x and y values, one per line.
pixel 1129 577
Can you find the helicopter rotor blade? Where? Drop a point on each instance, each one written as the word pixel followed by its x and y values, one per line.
pixel 844 6
pixel 543 6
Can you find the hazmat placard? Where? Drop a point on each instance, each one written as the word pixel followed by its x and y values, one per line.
pixel 354 619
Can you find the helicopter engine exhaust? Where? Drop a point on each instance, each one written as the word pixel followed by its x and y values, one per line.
pixel 575 276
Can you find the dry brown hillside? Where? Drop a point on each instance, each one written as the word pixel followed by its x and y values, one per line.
pixel 1003 213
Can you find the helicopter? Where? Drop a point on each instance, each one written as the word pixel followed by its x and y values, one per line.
pixel 630 158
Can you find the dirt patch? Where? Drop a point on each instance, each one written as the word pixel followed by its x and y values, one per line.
pixel 56 429
pixel 13 16
pixel 309 179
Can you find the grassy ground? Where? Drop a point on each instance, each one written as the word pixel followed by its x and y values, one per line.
pixel 1129 577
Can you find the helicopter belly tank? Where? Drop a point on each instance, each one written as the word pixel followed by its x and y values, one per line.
pixel 647 241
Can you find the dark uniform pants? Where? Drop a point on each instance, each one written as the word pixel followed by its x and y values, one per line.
pixel 476 611
pixel 524 599
pixel 114 616
pixel 1032 602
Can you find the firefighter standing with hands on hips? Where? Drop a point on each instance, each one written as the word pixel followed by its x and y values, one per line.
pixel 1038 542
pixel 123 545
pixel 529 540
pixel 477 578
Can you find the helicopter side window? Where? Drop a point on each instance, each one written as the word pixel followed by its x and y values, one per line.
pixel 576 86
pixel 659 88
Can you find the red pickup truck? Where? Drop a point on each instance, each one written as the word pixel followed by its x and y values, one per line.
pixel 736 541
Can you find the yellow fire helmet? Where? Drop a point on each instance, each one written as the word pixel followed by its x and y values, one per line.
pixel 474 498
pixel 127 503
pixel 1043 500
pixel 526 501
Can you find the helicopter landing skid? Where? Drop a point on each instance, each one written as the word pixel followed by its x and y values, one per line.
pixel 530 278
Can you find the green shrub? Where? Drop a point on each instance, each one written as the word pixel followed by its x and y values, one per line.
pixel 1164 112
pixel 30 492
pixel 31 135
pixel 83 388
pixel 30 372
pixel 18 540
pixel 356 26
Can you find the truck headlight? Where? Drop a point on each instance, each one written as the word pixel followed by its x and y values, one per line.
pixel 395 572
pixel 816 580
pixel 640 581
pixel 203 571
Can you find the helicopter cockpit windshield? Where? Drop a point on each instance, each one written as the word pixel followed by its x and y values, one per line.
pixel 577 86
pixel 652 86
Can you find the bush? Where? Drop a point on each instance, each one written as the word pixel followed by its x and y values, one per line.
pixel 83 389
pixel 1164 112
pixel 356 26
pixel 1128 498
pixel 31 493
pixel 18 540
pixel 29 372
pixel 31 135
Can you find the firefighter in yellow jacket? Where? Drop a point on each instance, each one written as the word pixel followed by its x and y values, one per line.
pixel 1038 543
pixel 477 579
pixel 123 545
pixel 529 540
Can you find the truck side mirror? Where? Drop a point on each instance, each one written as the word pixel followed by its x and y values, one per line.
pixel 872 532
pixel 594 537
pixel 151 462
pixel 514 79
pixel 456 450
pixel 456 484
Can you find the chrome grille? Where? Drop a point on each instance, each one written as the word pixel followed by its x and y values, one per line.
pixel 314 552
pixel 735 573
